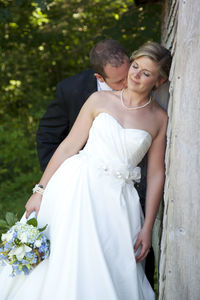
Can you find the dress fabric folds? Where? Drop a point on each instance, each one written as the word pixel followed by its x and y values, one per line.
pixel 94 215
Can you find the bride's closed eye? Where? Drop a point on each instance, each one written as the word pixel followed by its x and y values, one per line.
pixel 135 67
pixel 146 74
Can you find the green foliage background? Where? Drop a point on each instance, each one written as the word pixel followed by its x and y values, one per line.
pixel 42 42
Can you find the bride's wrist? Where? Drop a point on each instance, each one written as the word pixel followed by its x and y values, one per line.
pixel 38 188
pixel 147 228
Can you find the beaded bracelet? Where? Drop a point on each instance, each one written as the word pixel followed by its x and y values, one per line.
pixel 38 188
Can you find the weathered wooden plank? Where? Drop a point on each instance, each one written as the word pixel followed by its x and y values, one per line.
pixel 169 24
pixel 180 247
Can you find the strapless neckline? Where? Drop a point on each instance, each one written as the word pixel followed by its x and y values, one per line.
pixel 123 128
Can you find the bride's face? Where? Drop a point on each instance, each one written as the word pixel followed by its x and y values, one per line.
pixel 143 75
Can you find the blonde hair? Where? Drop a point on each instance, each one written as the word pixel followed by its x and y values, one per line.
pixel 157 53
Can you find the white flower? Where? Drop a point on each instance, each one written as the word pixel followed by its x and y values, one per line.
pixel 23 238
pixel 20 251
pixel 3 237
pixel 38 243
pixel 6 237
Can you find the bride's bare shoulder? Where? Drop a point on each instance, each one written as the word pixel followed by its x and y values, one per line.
pixel 102 96
pixel 159 110
pixel 160 117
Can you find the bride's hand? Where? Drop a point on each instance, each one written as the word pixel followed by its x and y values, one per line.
pixel 143 241
pixel 33 204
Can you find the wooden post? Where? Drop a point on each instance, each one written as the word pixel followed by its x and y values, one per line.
pixel 180 246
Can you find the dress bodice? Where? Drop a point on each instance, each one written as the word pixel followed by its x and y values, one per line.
pixel 112 144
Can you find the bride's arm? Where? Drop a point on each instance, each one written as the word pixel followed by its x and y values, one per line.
pixel 75 140
pixel 155 182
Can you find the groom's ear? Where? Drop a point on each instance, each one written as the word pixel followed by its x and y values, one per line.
pixel 99 77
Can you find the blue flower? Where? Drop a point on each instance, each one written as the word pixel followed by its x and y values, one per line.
pixel 24 261
pixel 29 254
pixel 25 270
pixel 34 260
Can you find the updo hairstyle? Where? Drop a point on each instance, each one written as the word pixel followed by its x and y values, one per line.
pixel 157 53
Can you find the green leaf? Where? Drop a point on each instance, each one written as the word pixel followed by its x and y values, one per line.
pixel 10 218
pixel 3 224
pixel 32 222
pixel 43 228
pixel 20 267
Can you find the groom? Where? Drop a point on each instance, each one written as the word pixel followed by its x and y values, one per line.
pixel 110 63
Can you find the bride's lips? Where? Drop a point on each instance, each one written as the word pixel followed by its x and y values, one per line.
pixel 135 82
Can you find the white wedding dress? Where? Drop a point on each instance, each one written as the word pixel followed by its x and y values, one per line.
pixel 94 215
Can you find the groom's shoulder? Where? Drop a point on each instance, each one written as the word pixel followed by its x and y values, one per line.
pixel 80 79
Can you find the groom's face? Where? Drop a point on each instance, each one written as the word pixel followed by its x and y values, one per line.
pixel 116 77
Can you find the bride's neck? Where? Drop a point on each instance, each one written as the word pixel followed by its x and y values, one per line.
pixel 133 98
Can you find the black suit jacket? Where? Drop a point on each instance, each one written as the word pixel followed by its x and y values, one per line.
pixel 54 126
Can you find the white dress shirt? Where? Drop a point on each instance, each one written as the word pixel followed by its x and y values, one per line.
pixel 102 86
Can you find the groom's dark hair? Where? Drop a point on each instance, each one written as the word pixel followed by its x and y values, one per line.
pixel 107 52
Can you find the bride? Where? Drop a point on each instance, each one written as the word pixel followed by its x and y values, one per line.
pixel 98 234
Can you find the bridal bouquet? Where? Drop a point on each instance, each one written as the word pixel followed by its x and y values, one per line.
pixel 24 246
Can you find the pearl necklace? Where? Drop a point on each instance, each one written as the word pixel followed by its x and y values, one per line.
pixel 133 108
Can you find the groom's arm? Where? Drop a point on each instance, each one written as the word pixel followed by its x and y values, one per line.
pixel 53 127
